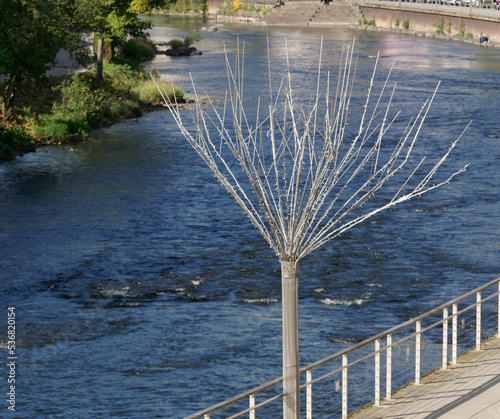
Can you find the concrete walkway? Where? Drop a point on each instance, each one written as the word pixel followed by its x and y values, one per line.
pixel 470 389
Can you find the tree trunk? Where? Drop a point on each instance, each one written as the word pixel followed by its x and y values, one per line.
pixel 9 95
pixel 290 316
pixel 99 54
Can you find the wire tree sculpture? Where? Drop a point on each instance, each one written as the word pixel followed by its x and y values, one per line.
pixel 301 176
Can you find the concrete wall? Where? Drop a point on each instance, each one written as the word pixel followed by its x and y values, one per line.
pixel 387 17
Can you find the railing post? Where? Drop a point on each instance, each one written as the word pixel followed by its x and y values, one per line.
pixel 454 337
pixel 251 414
pixel 206 416
pixel 388 373
pixel 377 372
pixel 417 352
pixel 445 338
pixel 478 321
pixel 344 386
pixel 309 395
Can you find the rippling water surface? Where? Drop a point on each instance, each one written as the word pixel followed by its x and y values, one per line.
pixel 143 291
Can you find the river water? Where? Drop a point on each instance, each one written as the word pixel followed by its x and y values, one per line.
pixel 142 290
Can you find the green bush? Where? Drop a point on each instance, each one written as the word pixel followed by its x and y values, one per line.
pixel 439 25
pixel 12 140
pixel 59 125
pixel 191 38
pixel 78 104
pixel 79 108
pixel 184 6
pixel 226 8
pixel 120 79
pixel 188 40
pixel 176 43
pixel 79 99
pixel 460 27
pixel 139 49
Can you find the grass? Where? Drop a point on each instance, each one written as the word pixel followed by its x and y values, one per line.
pixel 65 108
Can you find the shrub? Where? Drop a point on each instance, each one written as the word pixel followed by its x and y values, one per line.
pixel 188 40
pixel 79 99
pixel 439 25
pixel 77 105
pixel 186 6
pixel 406 24
pixel 191 38
pixel 12 140
pixel 139 49
pixel 460 28
pixel 176 43
pixel 226 8
pixel 120 79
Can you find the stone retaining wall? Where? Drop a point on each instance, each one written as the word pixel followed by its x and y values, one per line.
pixel 452 23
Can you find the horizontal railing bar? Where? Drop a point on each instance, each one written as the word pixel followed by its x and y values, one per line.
pixel 365 342
pixel 264 403
pixel 399 327
pixel 235 399
pixel 409 337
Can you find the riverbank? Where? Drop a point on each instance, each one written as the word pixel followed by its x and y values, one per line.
pixel 65 108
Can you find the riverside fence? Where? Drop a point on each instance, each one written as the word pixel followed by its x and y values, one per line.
pixel 372 369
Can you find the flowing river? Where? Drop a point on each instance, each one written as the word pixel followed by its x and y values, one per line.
pixel 142 290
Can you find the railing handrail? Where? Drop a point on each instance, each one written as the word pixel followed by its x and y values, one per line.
pixel 236 398
pixel 393 344
pixel 399 327
pixel 340 354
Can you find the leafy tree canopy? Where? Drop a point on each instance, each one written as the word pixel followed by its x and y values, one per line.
pixel 33 31
pixel 113 18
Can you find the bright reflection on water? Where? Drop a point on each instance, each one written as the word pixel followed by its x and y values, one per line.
pixel 143 291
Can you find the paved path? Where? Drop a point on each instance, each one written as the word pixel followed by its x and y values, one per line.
pixel 470 389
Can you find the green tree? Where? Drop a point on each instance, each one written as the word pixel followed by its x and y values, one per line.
pixel 114 19
pixel 33 31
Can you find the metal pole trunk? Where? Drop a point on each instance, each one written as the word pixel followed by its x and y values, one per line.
pixel 290 316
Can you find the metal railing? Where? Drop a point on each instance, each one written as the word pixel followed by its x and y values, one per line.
pixel 479 8
pixel 357 376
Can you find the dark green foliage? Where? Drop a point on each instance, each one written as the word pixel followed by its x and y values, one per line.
pixel 82 104
pixel 114 19
pixel 191 38
pixel 80 98
pixel 185 6
pixel 138 49
pixel 176 43
pixel 32 34
pixel 188 40
pixel 12 141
